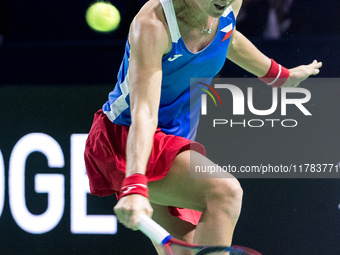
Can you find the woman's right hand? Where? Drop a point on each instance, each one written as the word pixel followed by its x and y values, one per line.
pixel 129 209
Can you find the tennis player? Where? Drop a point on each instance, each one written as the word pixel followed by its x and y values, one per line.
pixel 141 144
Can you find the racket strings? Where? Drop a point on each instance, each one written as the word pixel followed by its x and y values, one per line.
pixel 226 251
pixel 209 250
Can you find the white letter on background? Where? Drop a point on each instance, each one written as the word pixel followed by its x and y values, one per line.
pixel 81 223
pixel 53 184
pixel 2 183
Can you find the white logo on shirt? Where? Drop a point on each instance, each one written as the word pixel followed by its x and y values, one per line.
pixel 175 57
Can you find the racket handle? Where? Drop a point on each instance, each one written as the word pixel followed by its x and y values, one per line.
pixel 153 230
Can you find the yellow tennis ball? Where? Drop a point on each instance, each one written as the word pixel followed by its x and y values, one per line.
pixel 103 17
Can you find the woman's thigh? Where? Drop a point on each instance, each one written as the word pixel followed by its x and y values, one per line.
pixel 178 189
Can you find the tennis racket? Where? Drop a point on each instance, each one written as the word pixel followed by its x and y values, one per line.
pixel 160 236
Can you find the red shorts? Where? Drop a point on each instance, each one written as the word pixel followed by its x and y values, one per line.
pixel 105 159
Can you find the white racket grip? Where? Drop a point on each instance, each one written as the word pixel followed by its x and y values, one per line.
pixel 152 229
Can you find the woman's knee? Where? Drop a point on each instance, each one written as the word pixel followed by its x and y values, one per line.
pixel 227 193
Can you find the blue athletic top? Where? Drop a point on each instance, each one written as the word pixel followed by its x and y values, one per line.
pixel 179 107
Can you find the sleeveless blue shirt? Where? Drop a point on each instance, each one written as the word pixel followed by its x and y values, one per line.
pixel 179 107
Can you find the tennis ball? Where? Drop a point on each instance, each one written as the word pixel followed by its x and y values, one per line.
pixel 103 17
